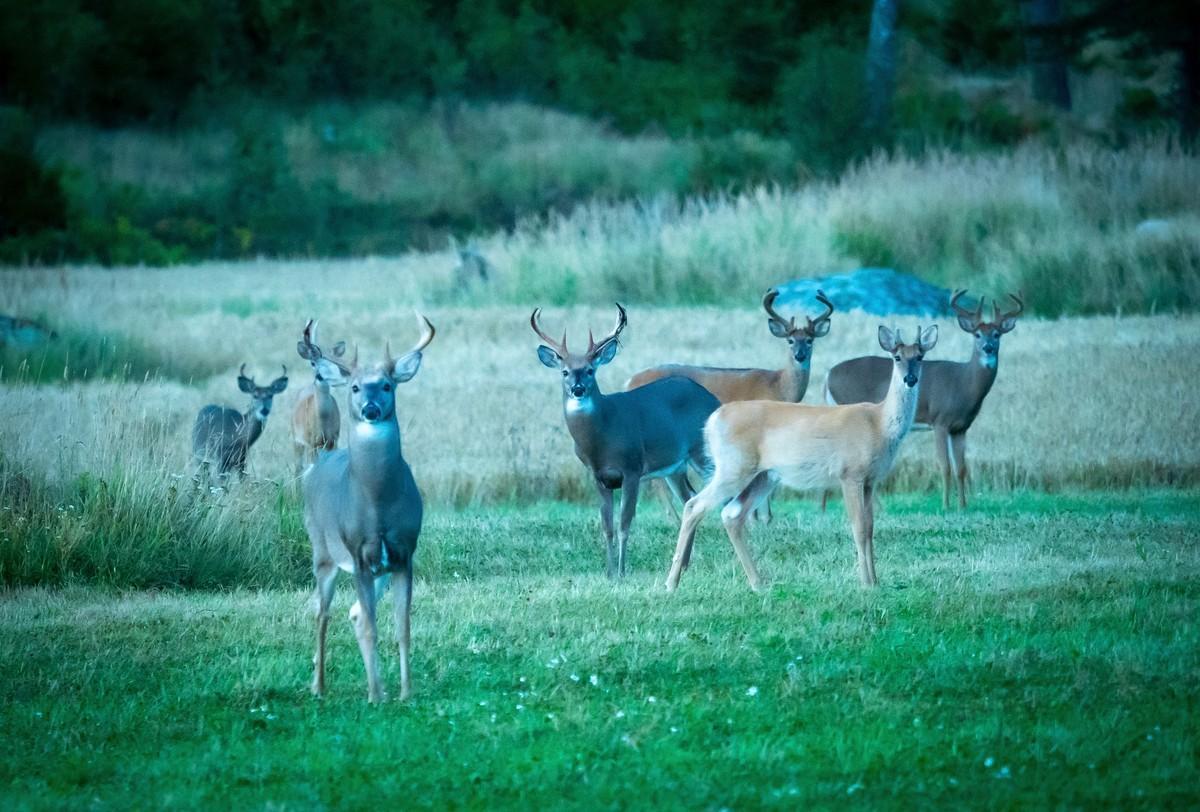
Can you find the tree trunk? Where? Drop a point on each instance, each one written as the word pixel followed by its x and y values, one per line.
pixel 881 64
pixel 1043 49
pixel 1189 78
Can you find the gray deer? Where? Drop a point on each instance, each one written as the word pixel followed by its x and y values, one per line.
pixel 623 438
pixel 362 509
pixel 221 436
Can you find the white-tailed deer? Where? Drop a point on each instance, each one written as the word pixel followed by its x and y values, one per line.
pixel 363 512
pixel 755 445
pixel 221 436
pixel 787 384
pixel 952 392
pixel 316 422
pixel 625 437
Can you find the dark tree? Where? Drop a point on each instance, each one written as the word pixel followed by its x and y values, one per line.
pixel 1044 49
pixel 881 63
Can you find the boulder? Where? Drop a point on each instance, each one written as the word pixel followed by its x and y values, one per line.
pixel 879 291
pixel 18 332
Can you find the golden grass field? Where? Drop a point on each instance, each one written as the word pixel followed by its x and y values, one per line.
pixel 1098 401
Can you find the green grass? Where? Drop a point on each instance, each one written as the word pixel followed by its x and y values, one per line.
pixel 1036 650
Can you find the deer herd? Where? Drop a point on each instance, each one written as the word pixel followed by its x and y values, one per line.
pixel 742 432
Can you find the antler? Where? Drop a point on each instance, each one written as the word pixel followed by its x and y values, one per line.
pixel 964 313
pixel 427 334
pixel 310 330
pixel 768 305
pixel 822 299
pixel 557 346
pixel 1016 297
pixel 594 345
pixel 242 373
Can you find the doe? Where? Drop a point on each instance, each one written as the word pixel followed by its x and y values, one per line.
pixel 221 437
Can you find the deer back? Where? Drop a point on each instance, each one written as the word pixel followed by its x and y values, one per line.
pixel 221 436
pixel 729 384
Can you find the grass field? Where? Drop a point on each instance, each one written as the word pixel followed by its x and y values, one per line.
pixel 1036 651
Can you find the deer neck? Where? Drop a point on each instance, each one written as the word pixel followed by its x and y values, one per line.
pixel 375 454
pixel 584 417
pixel 793 378
pixel 252 426
pixel 899 407
pixel 981 375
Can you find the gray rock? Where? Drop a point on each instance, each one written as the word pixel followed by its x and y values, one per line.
pixel 879 291
pixel 18 332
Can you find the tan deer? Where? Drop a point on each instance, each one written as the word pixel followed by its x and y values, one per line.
pixel 625 437
pixel 952 393
pixel 221 437
pixel 363 511
pixel 755 445
pixel 316 422
pixel 787 384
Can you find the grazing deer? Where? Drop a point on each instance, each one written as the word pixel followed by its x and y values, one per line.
pixel 754 445
pixel 787 384
pixel 952 393
pixel 316 422
pixel 363 512
pixel 221 436
pixel 623 438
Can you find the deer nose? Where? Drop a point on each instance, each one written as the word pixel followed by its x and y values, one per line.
pixel 578 390
pixel 910 379
pixel 371 412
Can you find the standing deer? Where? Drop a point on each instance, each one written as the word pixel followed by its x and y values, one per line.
pixel 221 436
pixel 625 437
pixel 755 445
pixel 787 384
pixel 316 422
pixel 363 512
pixel 952 393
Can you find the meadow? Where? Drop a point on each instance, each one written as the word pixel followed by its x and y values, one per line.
pixel 1037 648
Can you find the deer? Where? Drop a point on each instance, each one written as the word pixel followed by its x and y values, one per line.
pixel 787 384
pixel 221 437
pixel 952 394
pixel 363 512
pixel 654 431
pixel 755 445
pixel 316 422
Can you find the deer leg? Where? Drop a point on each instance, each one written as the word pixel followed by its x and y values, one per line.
pixel 852 492
pixel 682 488
pixel 606 525
pixel 666 489
pixel 762 512
pixel 629 495
pixel 941 444
pixel 869 527
pixel 366 631
pixel 716 492
pixel 958 444
pixel 824 500
pixel 734 515
pixel 402 608
pixel 326 576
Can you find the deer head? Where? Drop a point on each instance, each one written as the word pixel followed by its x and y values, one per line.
pixel 908 357
pixel 261 395
pixel 987 333
pixel 578 369
pixel 324 369
pixel 372 386
pixel 799 337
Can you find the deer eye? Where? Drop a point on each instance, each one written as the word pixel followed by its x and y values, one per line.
pixel 897 357
pixel 791 340
pixel 808 341
pixel 354 388
pixel 387 387
pixel 565 373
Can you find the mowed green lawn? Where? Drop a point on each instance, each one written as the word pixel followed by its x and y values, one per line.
pixel 1034 650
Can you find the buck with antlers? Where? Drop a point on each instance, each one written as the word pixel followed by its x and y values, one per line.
pixel 952 393
pixel 362 509
pixel 221 437
pixel 787 384
pixel 755 445
pixel 316 422
pixel 623 438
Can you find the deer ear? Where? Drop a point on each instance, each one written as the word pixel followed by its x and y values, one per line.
pixel 302 349
pixel 820 329
pixel 246 384
pixel 887 340
pixel 606 353
pixel 778 328
pixel 406 366
pixel 339 349
pixel 966 324
pixel 1008 324
pixel 928 338
pixel 279 384
pixel 549 357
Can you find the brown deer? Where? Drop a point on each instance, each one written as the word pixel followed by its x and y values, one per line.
pixel 625 437
pixel 787 384
pixel 952 393
pixel 363 511
pixel 221 437
pixel 316 422
pixel 755 445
